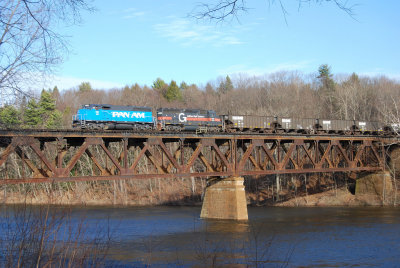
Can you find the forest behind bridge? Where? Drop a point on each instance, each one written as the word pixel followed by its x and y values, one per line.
pixel 289 94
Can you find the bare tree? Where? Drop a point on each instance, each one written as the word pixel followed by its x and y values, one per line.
pixel 389 104
pixel 29 44
pixel 224 9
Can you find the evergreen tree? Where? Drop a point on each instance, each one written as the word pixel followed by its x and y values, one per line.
pixel 325 77
pixel 225 86
pixel 183 86
pixel 56 93
pixel 228 84
pixel 46 102
pixel 10 117
pixel 327 91
pixel 50 117
pixel 173 92
pixel 85 86
pixel 32 117
pixel 160 86
pixel 54 120
pixel 43 114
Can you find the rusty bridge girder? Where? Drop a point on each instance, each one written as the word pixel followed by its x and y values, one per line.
pixel 50 156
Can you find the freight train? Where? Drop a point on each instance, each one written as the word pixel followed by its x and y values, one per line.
pixel 111 117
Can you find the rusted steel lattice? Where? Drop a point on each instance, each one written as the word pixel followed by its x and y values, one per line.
pixel 29 157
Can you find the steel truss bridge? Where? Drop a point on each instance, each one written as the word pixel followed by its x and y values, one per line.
pixel 33 156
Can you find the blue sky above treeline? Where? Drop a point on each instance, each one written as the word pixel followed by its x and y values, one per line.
pixel 128 42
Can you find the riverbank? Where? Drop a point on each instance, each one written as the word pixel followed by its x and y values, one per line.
pixel 339 197
pixel 173 192
pixel 152 192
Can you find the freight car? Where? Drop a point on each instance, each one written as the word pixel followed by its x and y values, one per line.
pixel 103 116
pixel 188 119
pixel 344 127
pixel 244 123
pixel 348 126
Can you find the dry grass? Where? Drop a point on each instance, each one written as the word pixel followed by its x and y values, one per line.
pixel 131 193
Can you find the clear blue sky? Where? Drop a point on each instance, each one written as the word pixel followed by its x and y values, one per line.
pixel 132 41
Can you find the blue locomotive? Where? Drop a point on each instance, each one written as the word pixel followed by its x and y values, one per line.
pixel 103 116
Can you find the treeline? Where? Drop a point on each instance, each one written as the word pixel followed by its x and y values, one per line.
pixel 33 113
pixel 320 95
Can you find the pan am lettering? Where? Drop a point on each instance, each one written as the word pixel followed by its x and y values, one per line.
pixel 128 114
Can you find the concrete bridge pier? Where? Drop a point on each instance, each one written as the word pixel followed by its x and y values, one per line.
pixel 225 199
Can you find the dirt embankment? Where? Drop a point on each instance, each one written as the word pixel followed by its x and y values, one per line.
pixel 122 193
pixel 339 197
pixel 174 194
pixel 317 190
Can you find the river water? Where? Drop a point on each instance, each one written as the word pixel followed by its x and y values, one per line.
pixel 273 237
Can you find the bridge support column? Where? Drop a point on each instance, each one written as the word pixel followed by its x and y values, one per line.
pixel 379 184
pixel 225 199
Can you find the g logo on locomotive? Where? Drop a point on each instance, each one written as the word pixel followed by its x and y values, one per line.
pixel 182 118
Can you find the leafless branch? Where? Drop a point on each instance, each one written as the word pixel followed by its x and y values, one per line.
pixel 29 46
pixel 224 9
pixel 220 11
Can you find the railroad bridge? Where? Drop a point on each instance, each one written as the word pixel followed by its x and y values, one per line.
pixel 55 156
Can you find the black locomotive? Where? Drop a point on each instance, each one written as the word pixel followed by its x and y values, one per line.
pixel 188 119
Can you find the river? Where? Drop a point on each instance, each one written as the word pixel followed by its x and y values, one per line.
pixel 273 237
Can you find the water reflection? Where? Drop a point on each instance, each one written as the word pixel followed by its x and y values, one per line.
pixel 226 226
pixel 273 237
